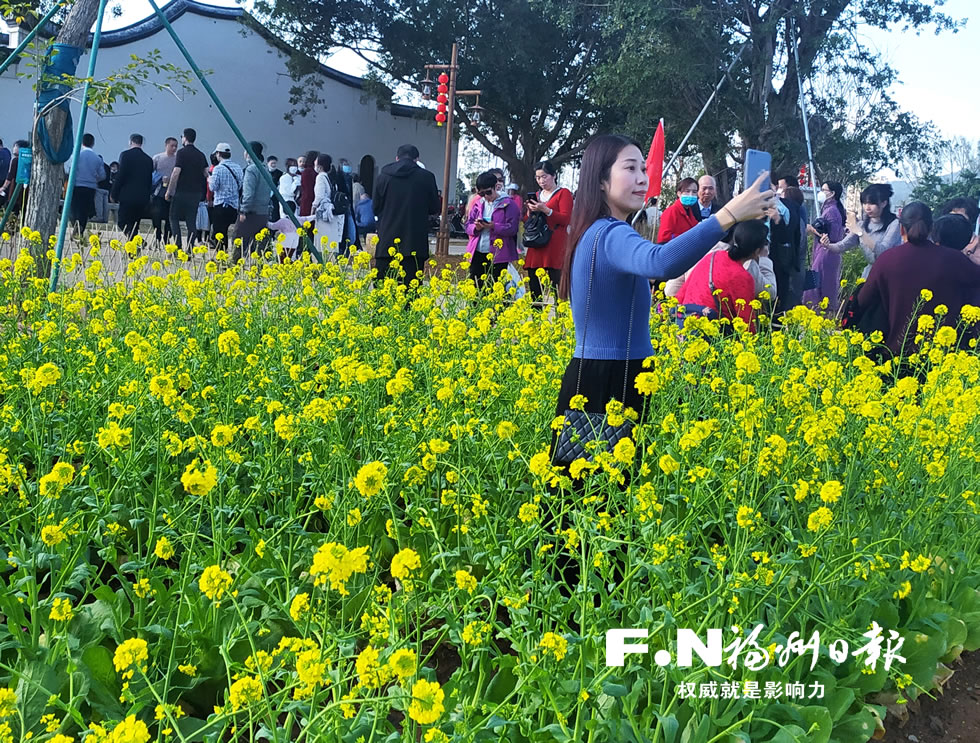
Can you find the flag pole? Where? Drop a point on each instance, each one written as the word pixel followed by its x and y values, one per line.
pixel 806 127
pixel 705 107
pixel 73 172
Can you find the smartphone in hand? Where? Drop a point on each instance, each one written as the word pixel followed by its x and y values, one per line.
pixel 757 162
pixel 531 197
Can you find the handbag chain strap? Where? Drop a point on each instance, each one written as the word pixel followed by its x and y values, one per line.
pixel 585 326
pixel 711 283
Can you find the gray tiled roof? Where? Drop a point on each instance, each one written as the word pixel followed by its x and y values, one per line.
pixel 152 25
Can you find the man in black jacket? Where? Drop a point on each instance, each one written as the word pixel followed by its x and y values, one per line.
pixel 133 185
pixel 404 197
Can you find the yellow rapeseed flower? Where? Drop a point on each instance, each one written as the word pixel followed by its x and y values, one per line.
pixel 370 479
pixel 214 582
pixel 427 702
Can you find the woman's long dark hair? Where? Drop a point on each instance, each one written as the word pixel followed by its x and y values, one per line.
pixel 838 191
pixel 590 201
pixel 877 193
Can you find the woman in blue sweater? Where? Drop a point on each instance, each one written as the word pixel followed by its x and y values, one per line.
pixel 612 318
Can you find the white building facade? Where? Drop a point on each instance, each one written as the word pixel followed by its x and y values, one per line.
pixel 247 67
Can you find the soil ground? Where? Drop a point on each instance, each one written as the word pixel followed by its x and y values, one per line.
pixel 953 715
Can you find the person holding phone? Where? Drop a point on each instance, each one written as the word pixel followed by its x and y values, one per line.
pixel 555 203
pixel 608 267
pixel 877 232
pixel 495 217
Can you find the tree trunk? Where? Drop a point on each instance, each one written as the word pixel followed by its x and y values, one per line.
pixel 716 164
pixel 47 178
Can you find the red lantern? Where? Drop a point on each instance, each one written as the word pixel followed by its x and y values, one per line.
pixel 442 98
pixel 441 108
pixel 440 117
pixel 443 78
pixel 443 88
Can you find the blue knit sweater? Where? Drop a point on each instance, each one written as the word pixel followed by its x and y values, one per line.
pixel 624 264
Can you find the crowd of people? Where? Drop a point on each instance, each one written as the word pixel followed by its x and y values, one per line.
pixel 605 247
pixel 759 265
pixel 211 198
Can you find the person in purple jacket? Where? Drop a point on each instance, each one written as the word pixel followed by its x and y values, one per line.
pixel 826 262
pixel 492 226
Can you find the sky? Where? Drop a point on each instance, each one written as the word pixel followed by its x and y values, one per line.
pixel 936 73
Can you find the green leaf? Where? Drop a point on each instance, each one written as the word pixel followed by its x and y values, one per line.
pixel 35 685
pixel 790 734
pixel 821 723
pixel 614 690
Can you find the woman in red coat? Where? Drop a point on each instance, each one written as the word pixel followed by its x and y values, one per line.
pixel 679 217
pixel 555 203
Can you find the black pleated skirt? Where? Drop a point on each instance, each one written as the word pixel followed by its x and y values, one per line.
pixel 602 381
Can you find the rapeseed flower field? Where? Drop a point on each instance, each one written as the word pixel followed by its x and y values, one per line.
pixel 285 502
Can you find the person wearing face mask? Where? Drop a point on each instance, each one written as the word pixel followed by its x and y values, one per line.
pixel 289 183
pixel 342 182
pixel 879 231
pixel 495 217
pixel 825 262
pixel 680 216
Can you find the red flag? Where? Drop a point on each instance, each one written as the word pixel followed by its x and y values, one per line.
pixel 655 162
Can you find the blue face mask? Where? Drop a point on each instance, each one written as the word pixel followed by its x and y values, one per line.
pixel 346 168
pixel 689 200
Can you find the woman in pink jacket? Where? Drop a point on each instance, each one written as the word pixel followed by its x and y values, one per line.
pixel 493 217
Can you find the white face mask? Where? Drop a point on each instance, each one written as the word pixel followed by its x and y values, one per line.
pixel 293 170
pixel 821 197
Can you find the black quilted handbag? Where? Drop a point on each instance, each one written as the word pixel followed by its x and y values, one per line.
pixel 537 233
pixel 585 434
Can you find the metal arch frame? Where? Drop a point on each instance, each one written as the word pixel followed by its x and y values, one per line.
pixel 80 130
pixel 264 172
pixel 77 148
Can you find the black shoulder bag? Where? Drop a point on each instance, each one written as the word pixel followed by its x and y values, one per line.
pixel 537 233
pixel 583 434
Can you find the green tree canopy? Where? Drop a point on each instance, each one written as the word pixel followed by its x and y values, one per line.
pixel 533 60
pixel 554 73
pixel 673 57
